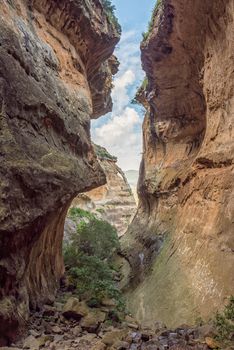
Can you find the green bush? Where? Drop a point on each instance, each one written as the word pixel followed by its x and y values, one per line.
pixel 102 153
pixel 94 238
pixel 87 259
pixel 224 322
pixel 70 255
pixel 98 238
pixel 110 12
pixel 78 213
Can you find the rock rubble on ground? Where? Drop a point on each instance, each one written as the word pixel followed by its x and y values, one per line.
pixel 73 325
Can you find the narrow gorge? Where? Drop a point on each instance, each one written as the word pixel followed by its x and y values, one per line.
pixel 173 262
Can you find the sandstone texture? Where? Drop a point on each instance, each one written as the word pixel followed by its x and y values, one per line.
pixel 114 201
pixel 56 68
pixel 183 233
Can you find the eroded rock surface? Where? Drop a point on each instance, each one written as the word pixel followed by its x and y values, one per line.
pixel 184 223
pixel 114 201
pixel 56 66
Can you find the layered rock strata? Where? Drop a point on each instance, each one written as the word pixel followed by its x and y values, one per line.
pixel 56 66
pixel 183 230
pixel 114 201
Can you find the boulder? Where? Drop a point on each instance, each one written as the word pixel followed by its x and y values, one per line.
pixel 121 345
pixel 56 330
pixel 99 346
pixel 75 309
pixel 31 343
pixel 92 320
pixel 108 302
pixel 204 331
pixel 111 337
pixel 212 343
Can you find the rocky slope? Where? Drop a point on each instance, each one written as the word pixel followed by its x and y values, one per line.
pixel 71 324
pixel 114 201
pixel 184 227
pixel 56 66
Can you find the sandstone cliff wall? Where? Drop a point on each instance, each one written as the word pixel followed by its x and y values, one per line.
pixel 114 201
pixel 184 227
pixel 55 74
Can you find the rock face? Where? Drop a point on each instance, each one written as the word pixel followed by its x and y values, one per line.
pixel 114 201
pixel 55 74
pixel 184 226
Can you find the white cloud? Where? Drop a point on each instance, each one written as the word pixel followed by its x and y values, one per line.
pixel 128 53
pixel 120 132
pixel 121 136
pixel 118 126
pixel 127 35
pixel 119 95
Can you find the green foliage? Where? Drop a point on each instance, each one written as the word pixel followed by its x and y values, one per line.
pixel 70 255
pixel 93 302
pixel 145 35
pixel 224 322
pixel 102 153
pixel 87 259
pixel 98 238
pixel 78 213
pixel 92 276
pixel 110 12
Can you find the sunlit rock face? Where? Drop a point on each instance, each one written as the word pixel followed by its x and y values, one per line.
pixel 56 67
pixel 114 201
pixel 184 226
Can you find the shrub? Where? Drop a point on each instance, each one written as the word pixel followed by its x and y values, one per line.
pixel 224 322
pixel 94 238
pixel 87 259
pixel 70 255
pixel 97 237
pixel 88 275
pixel 102 153
pixel 78 213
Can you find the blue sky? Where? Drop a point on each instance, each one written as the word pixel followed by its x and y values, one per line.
pixel 120 131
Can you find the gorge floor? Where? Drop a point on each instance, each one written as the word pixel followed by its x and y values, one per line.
pixel 71 324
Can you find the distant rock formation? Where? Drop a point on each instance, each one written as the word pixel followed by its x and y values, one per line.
pixel 56 69
pixel 113 201
pixel 183 233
